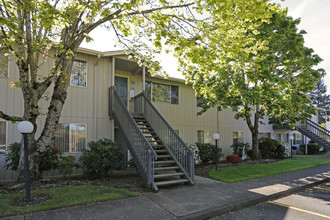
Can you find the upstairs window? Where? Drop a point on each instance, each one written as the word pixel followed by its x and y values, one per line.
pixel 3 63
pixel 79 73
pixel 158 92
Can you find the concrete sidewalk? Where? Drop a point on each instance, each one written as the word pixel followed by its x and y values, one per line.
pixel 207 198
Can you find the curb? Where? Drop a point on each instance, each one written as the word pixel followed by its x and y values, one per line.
pixel 217 211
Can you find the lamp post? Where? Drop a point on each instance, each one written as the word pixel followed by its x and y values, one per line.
pixel 25 128
pixel 291 140
pixel 216 137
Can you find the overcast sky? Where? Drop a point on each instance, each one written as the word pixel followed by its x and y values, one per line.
pixel 315 19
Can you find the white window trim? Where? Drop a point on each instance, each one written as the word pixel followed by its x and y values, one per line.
pixel 70 137
pixel 86 73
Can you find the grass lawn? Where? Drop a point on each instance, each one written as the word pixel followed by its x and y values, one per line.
pixel 240 173
pixel 62 197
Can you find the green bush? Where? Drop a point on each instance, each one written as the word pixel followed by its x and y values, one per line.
pixel 66 165
pixel 49 160
pixel 12 156
pixel 239 144
pixel 271 148
pixel 251 155
pixel 312 148
pixel 207 152
pixel 100 158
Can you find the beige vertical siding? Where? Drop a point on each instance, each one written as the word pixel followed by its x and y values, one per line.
pixel 88 105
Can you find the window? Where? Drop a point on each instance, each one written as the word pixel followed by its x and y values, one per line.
pixel 237 137
pixel 200 136
pixel 264 135
pixel 3 135
pixel 3 63
pixel 158 92
pixel 79 73
pixel 286 137
pixel 203 136
pixel 278 136
pixel 71 137
pixel 297 138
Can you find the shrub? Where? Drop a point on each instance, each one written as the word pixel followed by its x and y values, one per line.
pixel 66 165
pixel 251 155
pixel 207 152
pixel 239 144
pixel 312 148
pixel 12 156
pixel 232 159
pixel 195 150
pixel 271 148
pixel 49 160
pixel 100 158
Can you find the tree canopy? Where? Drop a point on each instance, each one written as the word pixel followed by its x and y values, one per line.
pixel 30 28
pixel 270 75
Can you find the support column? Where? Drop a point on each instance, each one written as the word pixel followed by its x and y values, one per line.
pixel 143 78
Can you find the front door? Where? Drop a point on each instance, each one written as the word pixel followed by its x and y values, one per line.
pixel 121 88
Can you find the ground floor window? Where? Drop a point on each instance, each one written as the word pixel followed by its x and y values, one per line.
pixel 3 135
pixel 204 136
pixel 278 136
pixel 264 135
pixel 237 137
pixel 71 137
pixel 297 138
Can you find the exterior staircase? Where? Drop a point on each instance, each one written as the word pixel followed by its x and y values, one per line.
pixel 315 132
pixel 166 171
pixel 160 155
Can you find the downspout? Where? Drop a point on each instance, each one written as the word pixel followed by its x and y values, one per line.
pixel 94 95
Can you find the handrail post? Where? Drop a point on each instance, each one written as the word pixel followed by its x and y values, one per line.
pixel 149 168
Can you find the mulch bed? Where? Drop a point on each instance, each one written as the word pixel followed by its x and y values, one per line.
pixel 127 179
pixel 124 179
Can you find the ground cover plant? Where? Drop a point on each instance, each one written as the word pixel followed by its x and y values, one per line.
pixel 60 197
pixel 240 173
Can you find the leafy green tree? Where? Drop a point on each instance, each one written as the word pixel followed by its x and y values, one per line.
pixel 269 76
pixel 320 99
pixel 31 28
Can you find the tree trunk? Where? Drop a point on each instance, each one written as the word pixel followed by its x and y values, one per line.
pixel 38 147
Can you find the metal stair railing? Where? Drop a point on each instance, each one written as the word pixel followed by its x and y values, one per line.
pixel 143 154
pixel 315 129
pixel 181 153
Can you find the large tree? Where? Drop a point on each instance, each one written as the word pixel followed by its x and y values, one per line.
pixel 30 28
pixel 320 99
pixel 269 77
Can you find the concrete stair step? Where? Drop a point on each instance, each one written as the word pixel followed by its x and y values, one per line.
pixel 164 162
pixel 156 176
pixel 171 182
pixel 166 168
